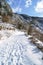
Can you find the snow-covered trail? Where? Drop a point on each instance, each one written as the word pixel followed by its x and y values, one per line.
pixel 16 49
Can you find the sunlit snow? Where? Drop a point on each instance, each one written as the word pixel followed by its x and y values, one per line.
pixel 17 49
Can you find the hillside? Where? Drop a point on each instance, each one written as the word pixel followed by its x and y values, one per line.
pixel 31 25
pixel 21 37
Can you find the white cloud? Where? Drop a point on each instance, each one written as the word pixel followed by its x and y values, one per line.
pixel 9 2
pixel 17 9
pixel 28 3
pixel 39 6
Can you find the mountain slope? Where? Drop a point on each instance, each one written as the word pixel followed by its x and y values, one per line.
pixel 23 46
pixel 32 25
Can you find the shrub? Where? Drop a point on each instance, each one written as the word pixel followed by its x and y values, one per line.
pixel 5 18
pixel 19 25
pixel 0 27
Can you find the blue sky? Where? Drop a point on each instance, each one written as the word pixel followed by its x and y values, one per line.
pixel 29 7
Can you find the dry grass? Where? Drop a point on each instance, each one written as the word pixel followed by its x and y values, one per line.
pixel 5 18
pixel 35 33
pixel 0 36
pixel 0 27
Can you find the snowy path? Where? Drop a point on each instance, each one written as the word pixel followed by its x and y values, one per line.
pixel 17 50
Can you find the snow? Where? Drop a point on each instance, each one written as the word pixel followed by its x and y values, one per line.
pixel 6 26
pixel 16 49
pixel 39 43
pixel 40 30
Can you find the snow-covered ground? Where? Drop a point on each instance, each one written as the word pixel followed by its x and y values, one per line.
pixel 17 49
